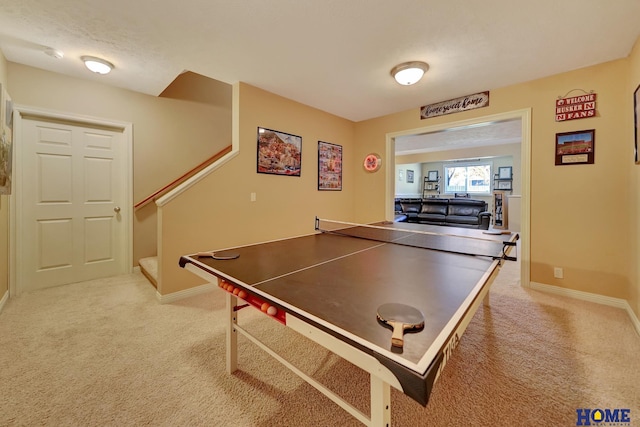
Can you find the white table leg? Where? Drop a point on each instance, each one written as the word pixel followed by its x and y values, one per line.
pixel 380 403
pixel 232 335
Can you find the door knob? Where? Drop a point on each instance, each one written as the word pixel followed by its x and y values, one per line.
pixel 116 209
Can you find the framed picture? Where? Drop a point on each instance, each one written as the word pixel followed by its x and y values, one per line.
pixel 504 172
pixel 409 176
pixel 504 185
pixel 329 166
pixel 2 106
pixel 8 110
pixel 6 147
pixel 575 148
pixel 279 153
pixel 432 176
pixel 636 118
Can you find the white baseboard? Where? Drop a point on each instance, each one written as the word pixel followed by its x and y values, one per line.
pixel 634 319
pixel 4 300
pixel 176 296
pixel 586 296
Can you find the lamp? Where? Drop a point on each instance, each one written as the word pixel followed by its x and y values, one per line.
pixel 97 65
pixel 409 73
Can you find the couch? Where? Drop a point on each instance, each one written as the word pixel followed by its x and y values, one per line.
pixel 457 212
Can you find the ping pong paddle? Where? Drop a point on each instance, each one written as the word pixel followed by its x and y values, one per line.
pixel 401 318
pixel 222 255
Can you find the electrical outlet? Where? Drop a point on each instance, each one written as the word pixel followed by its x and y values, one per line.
pixel 558 273
pixel 253 197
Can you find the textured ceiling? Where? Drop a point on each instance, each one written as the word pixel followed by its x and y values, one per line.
pixel 334 55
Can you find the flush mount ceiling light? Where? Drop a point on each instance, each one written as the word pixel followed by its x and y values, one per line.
pixel 97 65
pixel 409 73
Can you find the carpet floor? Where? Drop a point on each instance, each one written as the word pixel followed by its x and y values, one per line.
pixel 105 353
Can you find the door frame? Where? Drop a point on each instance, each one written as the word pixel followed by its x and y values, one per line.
pixel 525 168
pixel 20 113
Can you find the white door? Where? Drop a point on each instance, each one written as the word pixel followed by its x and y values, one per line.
pixel 71 225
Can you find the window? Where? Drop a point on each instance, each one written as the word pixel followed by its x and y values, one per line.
pixel 473 178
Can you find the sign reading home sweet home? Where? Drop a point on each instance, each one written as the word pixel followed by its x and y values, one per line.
pixel 576 107
pixel 464 103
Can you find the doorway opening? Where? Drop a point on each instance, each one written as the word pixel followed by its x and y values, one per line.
pixel 470 139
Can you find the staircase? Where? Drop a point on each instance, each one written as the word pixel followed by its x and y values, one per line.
pixel 149 267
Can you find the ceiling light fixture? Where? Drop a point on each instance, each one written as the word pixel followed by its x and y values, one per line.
pixel 97 65
pixel 409 73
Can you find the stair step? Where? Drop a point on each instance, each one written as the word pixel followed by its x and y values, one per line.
pixel 149 267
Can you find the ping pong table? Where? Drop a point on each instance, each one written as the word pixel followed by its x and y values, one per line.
pixel 328 286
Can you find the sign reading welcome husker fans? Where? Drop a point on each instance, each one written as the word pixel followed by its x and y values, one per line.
pixel 576 107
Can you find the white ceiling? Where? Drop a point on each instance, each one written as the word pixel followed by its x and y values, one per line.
pixel 480 135
pixel 334 55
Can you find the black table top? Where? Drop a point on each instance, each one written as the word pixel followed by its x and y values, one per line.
pixel 337 284
pixel 343 280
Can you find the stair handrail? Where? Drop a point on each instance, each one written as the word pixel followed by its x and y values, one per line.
pixel 173 184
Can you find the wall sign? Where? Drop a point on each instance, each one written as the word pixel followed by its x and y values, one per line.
pixel 576 107
pixel 464 103
pixel 372 162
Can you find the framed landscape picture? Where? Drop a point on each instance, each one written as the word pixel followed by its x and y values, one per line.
pixel 279 153
pixel 329 166
pixel 575 148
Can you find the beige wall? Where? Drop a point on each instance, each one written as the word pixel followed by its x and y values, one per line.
pixel 584 218
pixel 579 214
pixel 569 229
pixel 217 212
pixel 170 136
pixel 4 211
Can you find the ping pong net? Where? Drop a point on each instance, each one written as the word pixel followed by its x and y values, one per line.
pixel 464 245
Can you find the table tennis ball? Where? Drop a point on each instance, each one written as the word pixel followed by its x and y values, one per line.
pixel 242 294
pixel 264 307
pixel 272 311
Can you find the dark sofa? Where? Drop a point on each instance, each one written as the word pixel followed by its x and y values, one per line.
pixel 457 212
